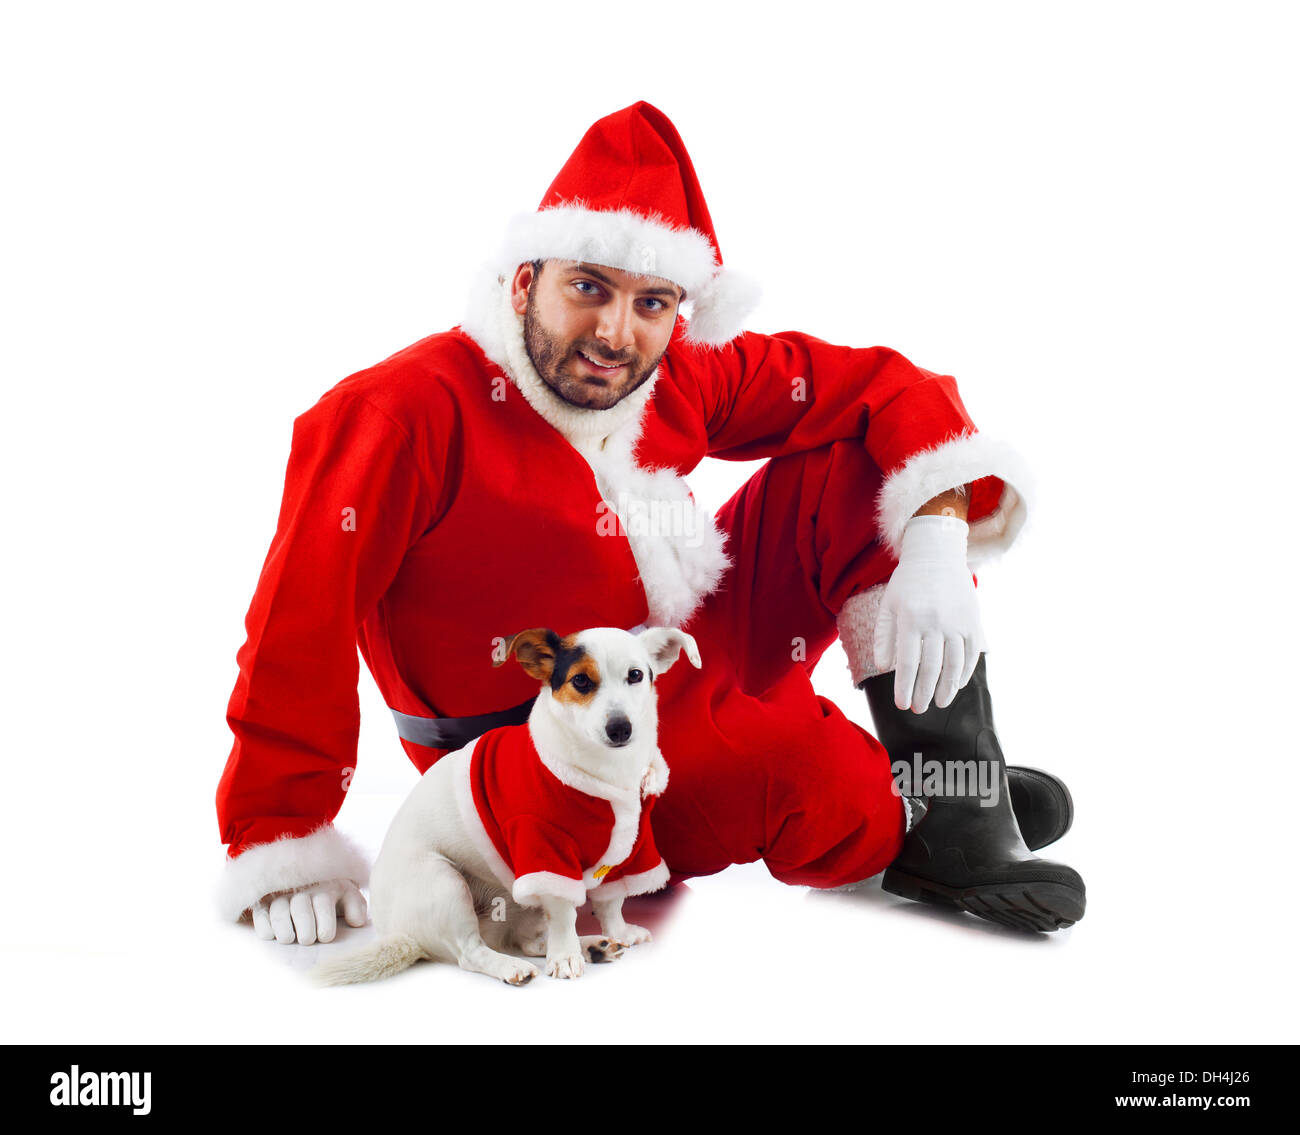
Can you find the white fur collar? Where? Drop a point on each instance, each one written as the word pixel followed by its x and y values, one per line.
pixel 551 744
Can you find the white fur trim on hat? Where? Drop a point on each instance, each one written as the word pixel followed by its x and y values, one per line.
pixel 286 864
pixel 622 238
pixel 719 311
pixel 720 300
pixel 958 462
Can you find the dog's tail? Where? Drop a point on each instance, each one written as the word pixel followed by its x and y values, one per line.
pixel 380 959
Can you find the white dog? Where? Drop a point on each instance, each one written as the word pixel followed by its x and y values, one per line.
pixel 503 840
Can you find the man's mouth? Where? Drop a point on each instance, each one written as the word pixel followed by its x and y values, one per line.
pixel 600 368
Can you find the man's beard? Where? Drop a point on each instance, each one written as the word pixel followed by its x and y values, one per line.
pixel 552 358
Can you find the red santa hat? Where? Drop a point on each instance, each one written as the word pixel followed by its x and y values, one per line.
pixel 628 198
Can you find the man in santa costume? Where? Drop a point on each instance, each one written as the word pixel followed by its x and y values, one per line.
pixel 524 469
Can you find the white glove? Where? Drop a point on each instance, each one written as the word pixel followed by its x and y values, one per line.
pixel 309 914
pixel 928 631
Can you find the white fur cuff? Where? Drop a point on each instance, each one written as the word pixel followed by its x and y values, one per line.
pixel 641 884
pixel 287 863
pixel 857 627
pixel 530 889
pixel 954 463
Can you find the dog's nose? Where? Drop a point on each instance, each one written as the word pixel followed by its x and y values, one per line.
pixel 618 730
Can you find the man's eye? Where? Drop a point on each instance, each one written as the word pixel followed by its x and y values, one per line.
pixel 634 676
pixel 582 285
pixel 659 304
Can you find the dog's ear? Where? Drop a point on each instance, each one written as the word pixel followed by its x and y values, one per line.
pixel 536 649
pixel 665 644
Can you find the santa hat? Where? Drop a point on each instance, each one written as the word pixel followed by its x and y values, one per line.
pixel 628 198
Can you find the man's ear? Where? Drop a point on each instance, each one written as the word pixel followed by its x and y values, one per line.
pixel 536 649
pixel 665 644
pixel 523 280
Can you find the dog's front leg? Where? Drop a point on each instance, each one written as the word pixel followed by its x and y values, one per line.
pixel 563 950
pixel 609 912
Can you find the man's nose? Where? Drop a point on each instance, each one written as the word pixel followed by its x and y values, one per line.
pixel 615 328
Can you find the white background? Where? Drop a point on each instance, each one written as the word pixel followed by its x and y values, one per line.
pixel 1086 212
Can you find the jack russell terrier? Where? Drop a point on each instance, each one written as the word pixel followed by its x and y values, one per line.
pixel 503 840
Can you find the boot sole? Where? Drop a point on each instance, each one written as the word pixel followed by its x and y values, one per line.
pixel 1036 907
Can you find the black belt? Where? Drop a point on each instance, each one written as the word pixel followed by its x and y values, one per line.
pixel 453 732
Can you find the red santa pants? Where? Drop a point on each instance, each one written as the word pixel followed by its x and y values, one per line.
pixel 761 767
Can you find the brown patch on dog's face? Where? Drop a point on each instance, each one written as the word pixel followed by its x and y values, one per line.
pixel 575 678
pixel 536 649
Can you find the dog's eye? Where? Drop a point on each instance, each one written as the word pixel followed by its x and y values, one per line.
pixel 583 684
pixel 634 676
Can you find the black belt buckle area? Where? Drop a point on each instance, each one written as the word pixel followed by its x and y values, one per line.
pixel 454 732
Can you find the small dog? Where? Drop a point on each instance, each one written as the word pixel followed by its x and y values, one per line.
pixel 503 840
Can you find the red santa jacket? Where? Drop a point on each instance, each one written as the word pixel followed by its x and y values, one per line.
pixel 547 828
pixel 417 488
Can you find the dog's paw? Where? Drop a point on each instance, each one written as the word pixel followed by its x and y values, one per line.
pixel 634 935
pixel 601 948
pixel 519 974
pixel 565 966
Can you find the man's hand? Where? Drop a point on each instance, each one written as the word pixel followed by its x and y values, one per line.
pixel 929 629
pixel 309 914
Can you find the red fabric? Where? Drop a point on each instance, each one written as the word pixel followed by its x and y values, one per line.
pixel 762 766
pixel 471 513
pixel 536 823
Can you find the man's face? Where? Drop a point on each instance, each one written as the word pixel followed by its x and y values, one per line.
pixel 594 334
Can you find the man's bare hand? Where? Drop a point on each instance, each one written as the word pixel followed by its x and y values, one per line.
pixel 309 914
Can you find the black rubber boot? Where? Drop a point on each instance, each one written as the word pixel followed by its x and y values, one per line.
pixel 961 852
pixel 1043 805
